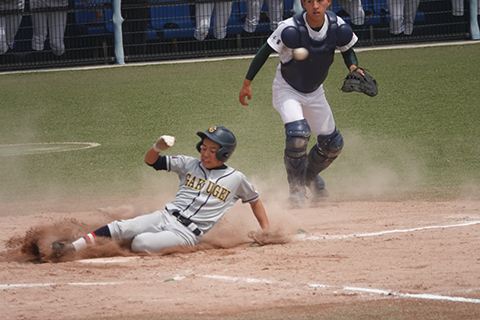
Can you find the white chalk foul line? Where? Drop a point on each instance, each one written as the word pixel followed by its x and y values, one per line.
pixel 266 281
pixel 413 295
pixel 80 284
pixel 314 237
pixel 355 289
pixel 255 281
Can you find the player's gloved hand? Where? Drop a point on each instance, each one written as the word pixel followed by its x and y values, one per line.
pixel 163 143
pixel 264 237
pixel 359 80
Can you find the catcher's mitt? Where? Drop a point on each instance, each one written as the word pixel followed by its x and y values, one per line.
pixel 356 82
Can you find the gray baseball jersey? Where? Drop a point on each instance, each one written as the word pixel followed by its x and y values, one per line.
pixel 203 197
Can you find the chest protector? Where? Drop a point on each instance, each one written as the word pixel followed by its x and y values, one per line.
pixel 307 75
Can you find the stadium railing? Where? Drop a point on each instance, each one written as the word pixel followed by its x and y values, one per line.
pixel 169 26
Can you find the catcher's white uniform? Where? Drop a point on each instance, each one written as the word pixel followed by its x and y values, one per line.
pixel 292 104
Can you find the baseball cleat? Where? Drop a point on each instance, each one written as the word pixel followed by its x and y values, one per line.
pixel 297 200
pixel 62 249
pixel 317 188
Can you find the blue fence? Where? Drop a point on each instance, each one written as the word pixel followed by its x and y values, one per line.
pixel 166 29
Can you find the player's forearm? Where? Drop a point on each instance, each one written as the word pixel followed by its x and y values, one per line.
pixel 260 213
pixel 259 60
pixel 350 59
pixel 151 157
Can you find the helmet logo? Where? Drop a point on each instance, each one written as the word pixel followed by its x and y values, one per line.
pixel 212 129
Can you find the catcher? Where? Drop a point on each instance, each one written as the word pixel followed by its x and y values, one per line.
pixel 306 46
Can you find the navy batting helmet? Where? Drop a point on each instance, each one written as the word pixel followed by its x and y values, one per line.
pixel 224 137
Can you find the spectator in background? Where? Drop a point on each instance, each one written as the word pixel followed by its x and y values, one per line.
pixel 134 28
pixel 354 9
pixel 458 9
pixel 52 22
pixel 402 16
pixel 254 8
pixel 9 25
pixel 203 15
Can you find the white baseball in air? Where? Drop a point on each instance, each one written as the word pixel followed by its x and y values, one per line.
pixel 169 140
pixel 300 54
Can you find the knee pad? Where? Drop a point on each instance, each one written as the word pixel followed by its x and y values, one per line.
pixel 326 150
pixel 298 135
pixel 330 145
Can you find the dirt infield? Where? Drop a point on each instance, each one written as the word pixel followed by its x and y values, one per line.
pixel 341 260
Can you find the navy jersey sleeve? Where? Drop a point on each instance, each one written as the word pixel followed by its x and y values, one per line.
pixel 160 164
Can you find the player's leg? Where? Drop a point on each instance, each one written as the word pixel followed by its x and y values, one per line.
pixel 118 230
pixel 329 141
pixel 223 10
pixel 12 22
pixel 253 15
pixel 11 27
pixel 410 12
pixel 354 9
pixel 395 9
pixel 39 23
pixel 321 155
pixel 203 15
pixel 288 103
pixel 295 159
pixel 57 22
pixel 251 23
pixel 151 242
pixel 275 13
pixel 297 6
pixel 457 8
pixel 3 34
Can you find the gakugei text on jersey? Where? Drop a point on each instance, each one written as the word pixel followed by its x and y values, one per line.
pixel 213 189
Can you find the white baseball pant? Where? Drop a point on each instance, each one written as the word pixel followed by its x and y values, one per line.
pixel 293 105
pixel 354 9
pixel 153 232
pixel 254 7
pixel 458 7
pixel 52 22
pixel 402 15
pixel 9 24
pixel 203 15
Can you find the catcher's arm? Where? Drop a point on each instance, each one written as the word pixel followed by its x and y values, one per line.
pixel 257 63
pixel 351 61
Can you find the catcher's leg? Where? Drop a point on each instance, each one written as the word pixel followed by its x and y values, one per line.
pixel 298 135
pixel 322 154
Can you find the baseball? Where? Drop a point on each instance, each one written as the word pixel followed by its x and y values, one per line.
pixel 300 54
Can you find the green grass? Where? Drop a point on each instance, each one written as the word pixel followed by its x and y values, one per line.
pixel 422 130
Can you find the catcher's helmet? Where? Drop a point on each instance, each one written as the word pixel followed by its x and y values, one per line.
pixel 224 137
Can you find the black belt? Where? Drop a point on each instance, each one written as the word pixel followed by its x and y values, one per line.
pixel 186 222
